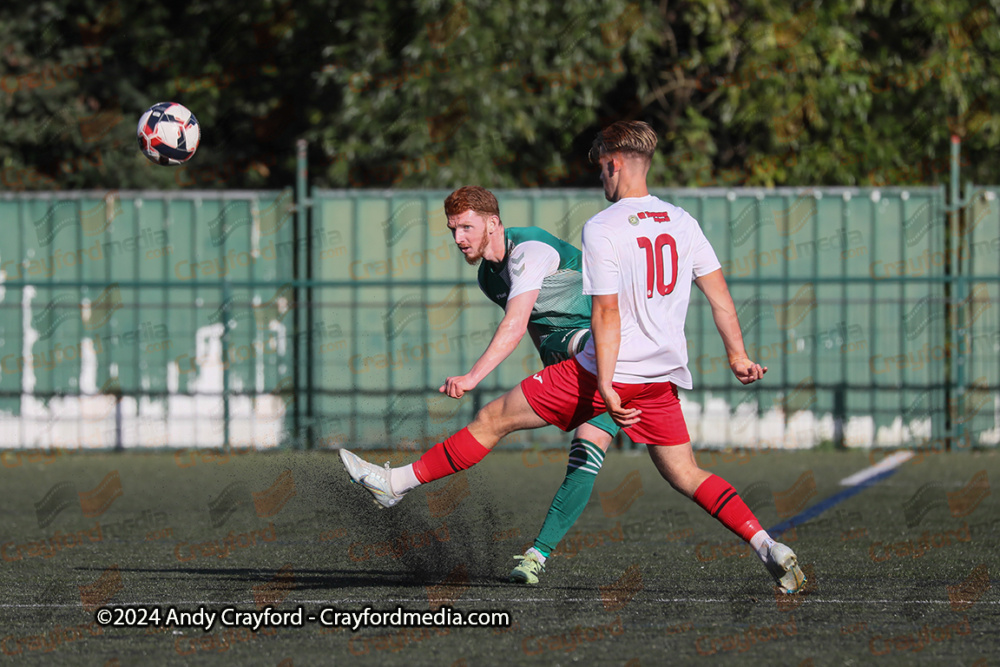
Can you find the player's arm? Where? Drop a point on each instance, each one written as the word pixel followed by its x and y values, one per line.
pixel 724 313
pixel 606 329
pixel 506 338
pixel 601 280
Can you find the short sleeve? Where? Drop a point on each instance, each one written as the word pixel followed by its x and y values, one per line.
pixel 529 264
pixel 601 268
pixel 704 259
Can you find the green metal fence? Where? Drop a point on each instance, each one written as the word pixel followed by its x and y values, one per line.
pixel 209 319
pixel 145 319
pixel 975 245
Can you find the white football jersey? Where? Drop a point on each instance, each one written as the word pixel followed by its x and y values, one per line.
pixel 647 252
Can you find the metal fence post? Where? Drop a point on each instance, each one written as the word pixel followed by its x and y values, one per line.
pixel 226 302
pixel 303 225
pixel 957 401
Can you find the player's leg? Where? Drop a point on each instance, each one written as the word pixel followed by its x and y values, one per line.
pixel 716 496
pixel 586 456
pixel 663 423
pixel 462 450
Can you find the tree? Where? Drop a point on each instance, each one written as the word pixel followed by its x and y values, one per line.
pixel 436 94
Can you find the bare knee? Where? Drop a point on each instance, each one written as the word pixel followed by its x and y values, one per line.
pixel 689 480
pixel 487 416
pixel 599 437
pixel 491 423
pixel 679 468
pixel 683 478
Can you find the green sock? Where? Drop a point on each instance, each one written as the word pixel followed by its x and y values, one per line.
pixel 585 460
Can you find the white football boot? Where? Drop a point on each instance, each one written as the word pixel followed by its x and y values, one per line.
pixel 374 479
pixel 784 567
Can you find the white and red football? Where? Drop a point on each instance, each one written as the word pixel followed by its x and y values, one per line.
pixel 168 133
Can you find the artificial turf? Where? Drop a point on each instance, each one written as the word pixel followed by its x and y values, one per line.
pixel 645 577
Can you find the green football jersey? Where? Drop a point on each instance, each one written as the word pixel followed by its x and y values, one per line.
pixel 538 260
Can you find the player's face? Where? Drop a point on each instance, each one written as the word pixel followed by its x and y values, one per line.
pixel 471 233
pixel 609 177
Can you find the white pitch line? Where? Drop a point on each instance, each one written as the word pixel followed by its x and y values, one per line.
pixel 367 603
pixel 888 463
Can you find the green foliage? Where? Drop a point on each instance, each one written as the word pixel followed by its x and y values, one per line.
pixel 437 94
pixel 828 93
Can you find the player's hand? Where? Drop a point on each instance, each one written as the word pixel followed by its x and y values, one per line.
pixel 747 371
pixel 621 416
pixel 457 386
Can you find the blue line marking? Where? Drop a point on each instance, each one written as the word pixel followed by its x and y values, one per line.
pixel 823 506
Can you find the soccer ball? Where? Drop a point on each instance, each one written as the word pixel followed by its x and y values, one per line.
pixel 168 133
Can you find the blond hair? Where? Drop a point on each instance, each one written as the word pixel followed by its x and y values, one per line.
pixel 630 137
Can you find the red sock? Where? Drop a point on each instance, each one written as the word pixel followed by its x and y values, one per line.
pixel 717 497
pixel 456 453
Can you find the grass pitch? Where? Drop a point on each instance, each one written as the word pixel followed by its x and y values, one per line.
pixel 900 573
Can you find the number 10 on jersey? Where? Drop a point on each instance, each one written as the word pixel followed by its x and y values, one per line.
pixel 654 263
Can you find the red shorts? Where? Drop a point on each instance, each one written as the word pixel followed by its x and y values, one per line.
pixel 565 395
